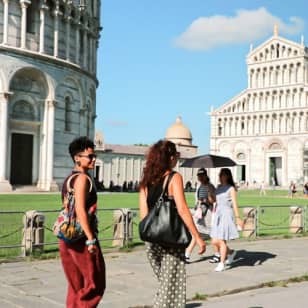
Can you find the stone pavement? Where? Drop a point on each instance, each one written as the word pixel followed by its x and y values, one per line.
pixel 130 281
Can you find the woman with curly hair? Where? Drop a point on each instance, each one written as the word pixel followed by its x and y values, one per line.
pixel 168 263
pixel 82 260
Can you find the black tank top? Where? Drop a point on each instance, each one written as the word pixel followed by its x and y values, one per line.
pixel 91 196
pixel 154 191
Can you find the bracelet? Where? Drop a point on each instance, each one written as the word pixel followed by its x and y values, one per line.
pixel 91 242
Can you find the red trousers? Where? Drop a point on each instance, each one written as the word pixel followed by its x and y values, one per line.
pixel 85 273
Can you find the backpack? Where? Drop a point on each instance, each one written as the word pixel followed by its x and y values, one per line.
pixel 66 226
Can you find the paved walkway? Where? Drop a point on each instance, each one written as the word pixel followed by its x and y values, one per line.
pixel 130 281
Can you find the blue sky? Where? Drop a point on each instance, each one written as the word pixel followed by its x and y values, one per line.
pixel 159 59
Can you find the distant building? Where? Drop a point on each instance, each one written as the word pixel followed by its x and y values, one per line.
pixel 48 82
pixel 264 128
pixel 124 163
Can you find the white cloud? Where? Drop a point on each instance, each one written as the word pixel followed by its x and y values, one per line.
pixel 245 27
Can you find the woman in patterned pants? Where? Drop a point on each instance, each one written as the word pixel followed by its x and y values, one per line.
pixel 167 263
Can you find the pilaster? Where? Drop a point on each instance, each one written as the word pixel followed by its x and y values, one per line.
pixel 5 21
pixel 57 13
pixel 43 10
pixel 68 20
pixel 4 183
pixel 24 5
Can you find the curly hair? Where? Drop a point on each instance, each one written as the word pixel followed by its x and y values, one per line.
pixel 158 162
pixel 80 144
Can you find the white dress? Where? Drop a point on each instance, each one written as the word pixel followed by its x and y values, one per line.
pixel 224 227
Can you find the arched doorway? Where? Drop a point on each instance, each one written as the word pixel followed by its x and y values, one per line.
pixel 26 117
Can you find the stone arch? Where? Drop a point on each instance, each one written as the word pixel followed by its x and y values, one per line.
pixel 3 83
pixel 21 105
pixel 225 147
pixel 75 90
pixel 274 144
pixel 30 85
pixel 70 102
pixel 257 145
pixel 30 88
pixel 31 76
pixel 241 146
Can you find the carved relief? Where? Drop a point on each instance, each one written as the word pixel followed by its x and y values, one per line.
pixel 23 110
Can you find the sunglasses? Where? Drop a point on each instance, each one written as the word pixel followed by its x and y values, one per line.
pixel 89 156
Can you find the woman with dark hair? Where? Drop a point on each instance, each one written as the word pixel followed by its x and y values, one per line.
pixel 82 260
pixel 224 228
pixel 204 200
pixel 168 263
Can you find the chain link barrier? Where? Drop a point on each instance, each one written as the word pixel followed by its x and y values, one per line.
pixel 12 228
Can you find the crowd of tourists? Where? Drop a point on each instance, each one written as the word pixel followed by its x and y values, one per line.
pixel 169 243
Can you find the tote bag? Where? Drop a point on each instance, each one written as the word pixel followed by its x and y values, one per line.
pixel 163 225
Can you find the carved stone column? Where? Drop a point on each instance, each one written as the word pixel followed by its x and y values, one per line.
pixel 43 10
pixel 85 50
pixel 24 5
pixel 57 13
pixel 77 46
pixel 68 20
pixel 51 185
pixel 4 183
pixel 5 21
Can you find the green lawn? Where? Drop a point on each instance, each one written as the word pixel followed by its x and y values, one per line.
pixel 273 213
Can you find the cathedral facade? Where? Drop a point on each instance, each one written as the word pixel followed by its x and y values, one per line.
pixel 48 52
pixel 265 127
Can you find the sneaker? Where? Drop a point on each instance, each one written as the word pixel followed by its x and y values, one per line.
pixel 231 257
pixel 214 259
pixel 220 267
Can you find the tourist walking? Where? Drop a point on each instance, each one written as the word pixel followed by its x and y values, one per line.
pixel 292 189
pixel 168 263
pixel 262 189
pixel 224 227
pixel 204 200
pixel 82 260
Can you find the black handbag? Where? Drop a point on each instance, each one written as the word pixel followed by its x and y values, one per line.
pixel 163 225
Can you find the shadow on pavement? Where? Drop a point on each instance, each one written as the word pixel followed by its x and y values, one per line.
pixel 193 305
pixel 251 258
pixel 200 260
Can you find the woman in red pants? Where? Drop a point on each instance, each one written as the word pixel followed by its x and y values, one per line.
pixel 82 261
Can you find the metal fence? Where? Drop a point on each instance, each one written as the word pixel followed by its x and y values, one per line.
pixel 119 227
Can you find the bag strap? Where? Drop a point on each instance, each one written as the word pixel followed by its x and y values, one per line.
pixel 68 183
pixel 166 183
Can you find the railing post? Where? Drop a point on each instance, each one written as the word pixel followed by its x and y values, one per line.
pixel 125 228
pixel 250 222
pixel 257 221
pixel 128 226
pixel 296 219
pixel 305 217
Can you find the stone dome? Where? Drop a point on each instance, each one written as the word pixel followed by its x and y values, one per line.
pixel 179 133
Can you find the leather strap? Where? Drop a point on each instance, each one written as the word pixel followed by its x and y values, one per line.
pixel 68 183
pixel 166 183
